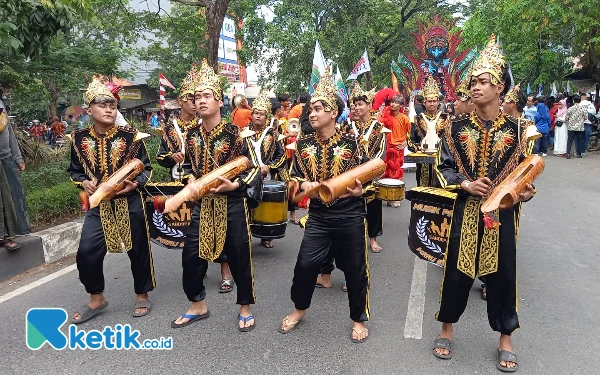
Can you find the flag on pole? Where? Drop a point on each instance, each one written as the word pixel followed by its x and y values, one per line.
pixel 162 81
pixel 569 87
pixel 339 84
pixel 554 91
pixel 528 89
pixel 540 89
pixel 362 66
pixel 318 68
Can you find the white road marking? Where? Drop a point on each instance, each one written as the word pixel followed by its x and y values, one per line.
pixel 413 328
pixel 35 284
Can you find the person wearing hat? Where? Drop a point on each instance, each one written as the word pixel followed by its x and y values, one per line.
pixel 463 102
pixel 338 228
pixel 97 153
pixel 220 221
pixel 478 151
pixel 265 140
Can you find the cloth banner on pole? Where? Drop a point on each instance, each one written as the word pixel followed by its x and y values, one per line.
pixel 339 84
pixel 162 83
pixel 318 68
pixel 362 66
pixel 540 89
pixel 554 91
pixel 528 89
pixel 569 87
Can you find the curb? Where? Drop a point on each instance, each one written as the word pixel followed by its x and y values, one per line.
pixel 46 246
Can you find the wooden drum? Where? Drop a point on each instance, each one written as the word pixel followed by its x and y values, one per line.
pixel 269 219
pixel 389 189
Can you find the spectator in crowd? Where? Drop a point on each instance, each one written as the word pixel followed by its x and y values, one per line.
pixel 530 110
pixel 14 219
pixel 575 119
pixel 296 110
pixel 591 114
pixel 284 100
pixel 58 129
pixel 561 134
pixel 242 113
pixel 542 122
pixel 419 106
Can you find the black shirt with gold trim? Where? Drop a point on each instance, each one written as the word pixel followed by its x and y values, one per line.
pixel 96 157
pixel 317 160
pixel 272 153
pixel 170 142
pixel 372 147
pixel 418 128
pixel 206 151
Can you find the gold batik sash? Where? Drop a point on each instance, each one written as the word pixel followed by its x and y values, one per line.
pixel 425 175
pixel 469 233
pixel 213 226
pixel 116 225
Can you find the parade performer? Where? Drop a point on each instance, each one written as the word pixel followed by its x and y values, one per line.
pixel 370 134
pixel 431 91
pixel 96 153
pixel 478 151
pixel 170 154
pixel 464 101
pixel 338 227
pixel 220 221
pixel 242 113
pixel 395 120
pixel 267 146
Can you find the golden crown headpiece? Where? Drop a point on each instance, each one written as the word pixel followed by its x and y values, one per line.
pixel 208 79
pixel 462 92
pixel 357 92
pixel 189 83
pixel 95 89
pixel 325 91
pixel 491 61
pixel 431 89
pixel 262 103
pixel 512 96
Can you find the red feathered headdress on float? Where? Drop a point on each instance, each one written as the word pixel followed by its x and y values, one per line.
pixel 114 89
pixel 382 96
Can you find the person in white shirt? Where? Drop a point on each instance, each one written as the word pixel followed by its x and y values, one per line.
pixel 591 110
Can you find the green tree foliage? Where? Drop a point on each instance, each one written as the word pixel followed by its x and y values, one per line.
pixel 344 29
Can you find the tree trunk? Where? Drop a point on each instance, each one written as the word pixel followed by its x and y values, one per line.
pixel 51 110
pixel 369 79
pixel 215 13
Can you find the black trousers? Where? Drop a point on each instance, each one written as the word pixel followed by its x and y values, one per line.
pixel 346 240
pixel 237 248
pixel 501 285
pixel 92 249
pixel 578 136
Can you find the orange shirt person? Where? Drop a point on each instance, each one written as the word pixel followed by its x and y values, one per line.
pixel 296 110
pixel 399 124
pixel 242 113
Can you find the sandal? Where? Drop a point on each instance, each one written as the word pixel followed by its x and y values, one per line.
pixel 10 245
pixel 506 356
pixel 86 313
pixel 484 292
pixel 142 305
pixel 345 288
pixel 442 344
pixel 295 222
pixel 376 249
pixel 359 341
pixel 246 320
pixel 288 323
pixel 267 243
pixel 192 319
pixel 228 283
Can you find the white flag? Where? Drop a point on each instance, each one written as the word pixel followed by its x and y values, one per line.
pixel 362 66
pixel 318 68
pixel 554 91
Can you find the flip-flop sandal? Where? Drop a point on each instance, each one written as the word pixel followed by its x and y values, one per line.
pixel 267 244
pixel 345 288
pixel 10 245
pixel 295 222
pixel 442 344
pixel 483 292
pixel 192 319
pixel 288 323
pixel 86 313
pixel 225 282
pixel 246 320
pixel 506 356
pixel 141 305
pixel 358 341
pixel 376 250
pixel 317 285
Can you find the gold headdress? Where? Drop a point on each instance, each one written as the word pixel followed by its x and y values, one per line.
pixel 431 89
pixel 325 91
pixel 357 92
pixel 512 96
pixel 491 61
pixel 189 83
pixel 95 89
pixel 262 103
pixel 462 91
pixel 208 79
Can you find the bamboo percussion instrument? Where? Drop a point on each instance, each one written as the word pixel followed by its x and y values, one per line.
pixel 115 183
pixel 199 188
pixel 507 193
pixel 335 187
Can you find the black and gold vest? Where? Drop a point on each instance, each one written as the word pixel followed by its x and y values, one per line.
pixel 374 140
pixel 170 134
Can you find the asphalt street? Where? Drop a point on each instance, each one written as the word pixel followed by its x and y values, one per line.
pixel 559 305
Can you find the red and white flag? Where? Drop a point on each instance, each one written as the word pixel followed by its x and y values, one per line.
pixel 163 81
pixel 362 66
